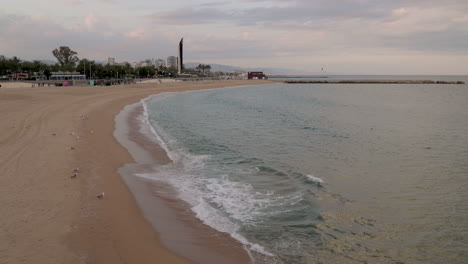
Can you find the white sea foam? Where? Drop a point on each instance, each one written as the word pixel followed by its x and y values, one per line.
pixel 152 130
pixel 216 199
pixel 314 179
pixel 218 203
pixel 145 120
pixel 205 194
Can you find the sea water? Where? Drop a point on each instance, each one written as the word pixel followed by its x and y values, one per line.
pixel 322 173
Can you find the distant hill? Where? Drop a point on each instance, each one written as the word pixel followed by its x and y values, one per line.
pixel 228 68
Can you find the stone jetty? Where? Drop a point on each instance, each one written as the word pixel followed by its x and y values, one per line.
pixel 376 81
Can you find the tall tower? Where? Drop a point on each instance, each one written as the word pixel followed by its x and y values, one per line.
pixel 180 64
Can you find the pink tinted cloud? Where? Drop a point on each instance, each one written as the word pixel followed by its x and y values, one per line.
pixel 413 20
pixel 138 33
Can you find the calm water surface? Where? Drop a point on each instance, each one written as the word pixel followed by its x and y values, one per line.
pixel 324 173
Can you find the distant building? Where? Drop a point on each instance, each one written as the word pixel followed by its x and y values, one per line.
pixel 256 76
pixel 111 61
pixel 149 62
pixel 180 62
pixel 140 64
pixel 171 61
pixel 159 62
pixel 124 64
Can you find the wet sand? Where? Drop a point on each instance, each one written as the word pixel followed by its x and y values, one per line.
pixel 178 227
pixel 49 217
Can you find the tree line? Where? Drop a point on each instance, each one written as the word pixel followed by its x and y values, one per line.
pixel 68 61
pixel 9 66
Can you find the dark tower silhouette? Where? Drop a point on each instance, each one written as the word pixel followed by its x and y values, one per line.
pixel 180 62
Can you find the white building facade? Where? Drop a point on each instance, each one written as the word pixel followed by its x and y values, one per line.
pixel 159 62
pixel 171 61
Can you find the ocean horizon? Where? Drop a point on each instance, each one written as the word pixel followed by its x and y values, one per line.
pixel 412 77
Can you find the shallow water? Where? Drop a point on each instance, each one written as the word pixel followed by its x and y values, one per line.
pixel 323 173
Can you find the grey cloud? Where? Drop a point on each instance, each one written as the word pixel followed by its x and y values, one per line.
pixel 350 26
pixel 83 2
pixel 352 22
pixel 190 16
pixel 317 10
pixel 217 3
pixel 452 41
pixel 35 39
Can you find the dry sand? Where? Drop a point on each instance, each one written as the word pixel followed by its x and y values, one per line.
pixel 9 85
pixel 49 217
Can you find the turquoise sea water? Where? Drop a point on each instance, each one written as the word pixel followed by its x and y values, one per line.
pixel 323 173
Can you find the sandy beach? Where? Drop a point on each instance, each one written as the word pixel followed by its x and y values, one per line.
pixel 49 216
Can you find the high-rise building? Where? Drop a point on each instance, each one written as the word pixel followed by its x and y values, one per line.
pixel 180 64
pixel 111 61
pixel 171 61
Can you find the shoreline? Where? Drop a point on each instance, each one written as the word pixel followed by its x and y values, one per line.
pixel 53 218
pixel 177 225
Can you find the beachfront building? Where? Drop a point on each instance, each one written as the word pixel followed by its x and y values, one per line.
pixel 20 76
pixel 111 61
pixel 60 76
pixel 256 76
pixel 171 61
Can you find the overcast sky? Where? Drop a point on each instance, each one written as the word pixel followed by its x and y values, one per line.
pixel 342 36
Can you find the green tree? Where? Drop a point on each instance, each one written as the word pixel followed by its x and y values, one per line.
pixel 47 73
pixel 190 71
pixel 26 66
pixel 66 57
pixel 15 64
pixel 147 71
pixel 55 68
pixel 3 65
pixel 171 71
pixel 38 66
pixel 86 67
pixel 202 68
